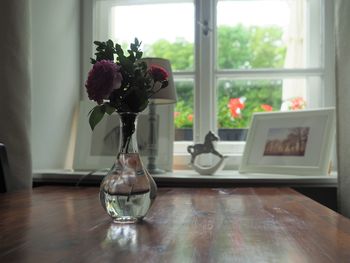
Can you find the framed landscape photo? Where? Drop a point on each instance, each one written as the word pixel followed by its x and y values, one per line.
pixel 97 150
pixel 293 142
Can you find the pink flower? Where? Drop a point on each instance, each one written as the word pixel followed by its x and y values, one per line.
pixel 236 105
pixel 176 114
pixel 266 107
pixel 158 73
pixel 297 103
pixel 103 78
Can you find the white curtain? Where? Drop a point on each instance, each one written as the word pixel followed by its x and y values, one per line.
pixel 15 90
pixel 295 56
pixel 342 17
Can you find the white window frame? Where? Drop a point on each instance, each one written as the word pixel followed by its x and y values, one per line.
pixel 205 75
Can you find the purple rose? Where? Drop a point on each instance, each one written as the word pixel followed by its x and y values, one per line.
pixel 103 78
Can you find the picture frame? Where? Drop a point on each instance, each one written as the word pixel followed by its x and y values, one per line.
pixel 97 149
pixel 292 142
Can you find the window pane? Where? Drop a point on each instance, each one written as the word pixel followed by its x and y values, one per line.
pixel 268 34
pixel 239 99
pixel 183 114
pixel 161 31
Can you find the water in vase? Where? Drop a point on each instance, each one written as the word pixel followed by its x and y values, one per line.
pixel 126 192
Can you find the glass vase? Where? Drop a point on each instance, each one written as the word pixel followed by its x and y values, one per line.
pixel 128 190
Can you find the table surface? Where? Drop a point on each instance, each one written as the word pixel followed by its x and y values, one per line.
pixel 68 224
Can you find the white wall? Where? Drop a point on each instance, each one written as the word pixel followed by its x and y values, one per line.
pixel 55 28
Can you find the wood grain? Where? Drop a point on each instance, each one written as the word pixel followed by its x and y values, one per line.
pixel 67 224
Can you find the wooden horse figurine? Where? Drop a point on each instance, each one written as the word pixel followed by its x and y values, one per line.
pixel 206 147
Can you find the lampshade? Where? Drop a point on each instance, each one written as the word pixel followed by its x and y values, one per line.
pixel 166 95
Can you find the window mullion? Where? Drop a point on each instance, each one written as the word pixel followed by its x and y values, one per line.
pixel 204 109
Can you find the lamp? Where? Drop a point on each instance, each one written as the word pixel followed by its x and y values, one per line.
pixel 166 95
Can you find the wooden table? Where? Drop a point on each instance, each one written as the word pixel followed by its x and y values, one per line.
pixel 67 224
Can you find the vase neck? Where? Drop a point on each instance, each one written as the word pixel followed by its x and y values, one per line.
pixel 128 125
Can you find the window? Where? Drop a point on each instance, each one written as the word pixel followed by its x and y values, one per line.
pixel 230 58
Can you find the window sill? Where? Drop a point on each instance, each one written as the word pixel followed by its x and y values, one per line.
pixel 191 178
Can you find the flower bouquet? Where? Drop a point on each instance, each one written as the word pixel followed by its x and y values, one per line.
pixel 124 83
pixel 119 82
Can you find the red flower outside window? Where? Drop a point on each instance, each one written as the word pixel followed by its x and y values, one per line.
pixel 190 117
pixel 236 105
pixel 266 107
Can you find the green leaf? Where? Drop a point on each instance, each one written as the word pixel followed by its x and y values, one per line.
pixel 139 54
pixel 119 50
pixel 137 99
pixel 165 83
pixel 110 43
pixel 96 115
pixel 98 43
pixel 131 56
pixel 105 50
pixel 127 65
pixel 133 47
pixel 109 108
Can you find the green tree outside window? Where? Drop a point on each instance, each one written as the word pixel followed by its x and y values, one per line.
pixel 239 47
